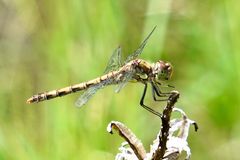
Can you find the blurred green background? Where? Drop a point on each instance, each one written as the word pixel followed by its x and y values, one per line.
pixel 46 45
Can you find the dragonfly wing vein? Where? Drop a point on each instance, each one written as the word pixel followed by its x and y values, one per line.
pixel 83 99
pixel 135 54
pixel 115 61
pixel 126 78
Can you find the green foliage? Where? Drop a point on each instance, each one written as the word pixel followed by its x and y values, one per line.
pixel 51 44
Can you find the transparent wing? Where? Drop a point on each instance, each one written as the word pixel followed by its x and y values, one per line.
pixel 135 54
pixel 83 99
pixel 115 61
pixel 113 64
pixel 126 78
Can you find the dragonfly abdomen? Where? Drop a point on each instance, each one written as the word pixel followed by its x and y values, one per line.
pixel 56 93
pixel 71 89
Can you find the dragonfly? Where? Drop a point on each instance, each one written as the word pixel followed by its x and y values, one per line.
pixel 120 73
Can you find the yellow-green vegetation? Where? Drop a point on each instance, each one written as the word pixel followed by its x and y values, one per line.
pixel 46 45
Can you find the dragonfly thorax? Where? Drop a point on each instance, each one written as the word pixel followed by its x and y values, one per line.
pixel 162 70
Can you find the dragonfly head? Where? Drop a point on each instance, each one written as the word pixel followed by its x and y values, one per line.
pixel 162 70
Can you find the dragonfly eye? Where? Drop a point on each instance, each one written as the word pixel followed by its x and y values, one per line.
pixel 164 70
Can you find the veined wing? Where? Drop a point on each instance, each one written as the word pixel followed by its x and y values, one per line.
pixel 115 61
pixel 135 54
pixel 83 99
pixel 113 64
pixel 126 78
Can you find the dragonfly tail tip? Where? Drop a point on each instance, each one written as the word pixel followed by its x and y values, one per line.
pixel 30 100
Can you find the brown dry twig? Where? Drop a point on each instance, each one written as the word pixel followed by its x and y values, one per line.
pixel 163 137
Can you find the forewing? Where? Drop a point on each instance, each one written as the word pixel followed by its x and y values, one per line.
pixel 135 54
pixel 115 61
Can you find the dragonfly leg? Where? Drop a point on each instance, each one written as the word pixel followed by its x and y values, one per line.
pixel 156 89
pixel 168 85
pixel 146 107
pixel 154 96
